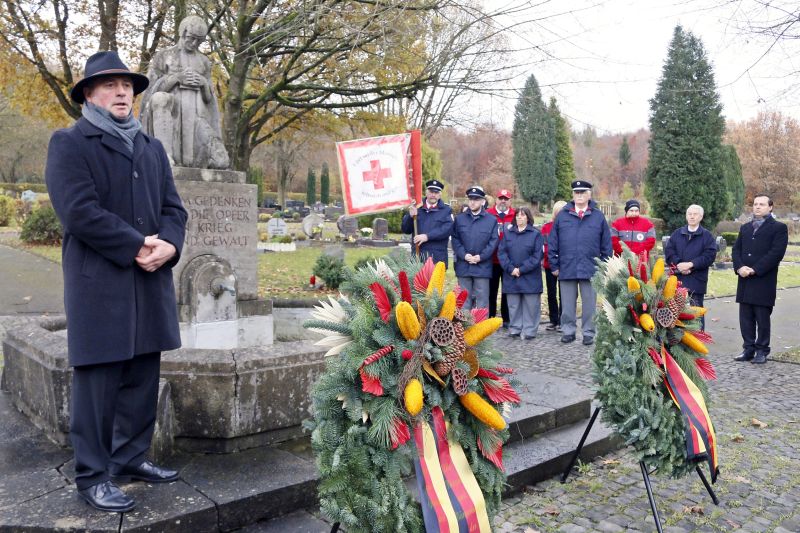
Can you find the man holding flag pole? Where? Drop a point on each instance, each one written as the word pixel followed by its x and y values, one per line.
pixel 434 223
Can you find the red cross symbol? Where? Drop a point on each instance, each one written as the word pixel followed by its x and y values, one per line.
pixel 376 174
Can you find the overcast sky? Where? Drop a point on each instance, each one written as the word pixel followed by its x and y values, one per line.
pixel 602 59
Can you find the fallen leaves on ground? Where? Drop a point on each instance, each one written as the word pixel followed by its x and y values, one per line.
pixel 694 509
pixel 756 423
pixel 738 437
pixel 551 510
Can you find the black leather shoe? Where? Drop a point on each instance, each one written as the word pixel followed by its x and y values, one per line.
pixel 568 338
pixel 146 471
pixel 744 356
pixel 107 497
pixel 759 359
pixel 588 341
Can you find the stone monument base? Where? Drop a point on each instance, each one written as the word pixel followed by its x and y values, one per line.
pixel 212 400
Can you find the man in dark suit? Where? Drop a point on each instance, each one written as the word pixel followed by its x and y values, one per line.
pixel 757 252
pixel 434 224
pixel 124 224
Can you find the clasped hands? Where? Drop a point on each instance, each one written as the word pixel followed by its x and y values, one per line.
pixel 472 259
pixel 685 267
pixel 154 253
pixel 746 271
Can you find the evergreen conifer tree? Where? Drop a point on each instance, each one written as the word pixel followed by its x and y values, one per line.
pixel 325 185
pixel 686 127
pixel 565 164
pixel 734 181
pixel 311 187
pixel 624 152
pixel 534 144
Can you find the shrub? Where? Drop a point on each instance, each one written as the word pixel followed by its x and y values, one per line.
pixel 730 237
pixel 263 236
pixel 727 226
pixel 22 211
pixel 285 239
pixel 263 217
pixel 8 209
pixel 394 218
pixel 42 227
pixel 296 216
pixel 363 262
pixel 301 237
pixel 277 214
pixel 331 269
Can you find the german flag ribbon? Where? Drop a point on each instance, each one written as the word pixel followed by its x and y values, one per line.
pixel 701 441
pixel 451 499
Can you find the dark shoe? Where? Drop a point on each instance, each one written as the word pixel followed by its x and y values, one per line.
pixel 558 328
pixel 505 325
pixel 588 341
pixel 759 359
pixel 146 471
pixel 744 356
pixel 513 334
pixel 107 497
pixel 551 327
pixel 568 338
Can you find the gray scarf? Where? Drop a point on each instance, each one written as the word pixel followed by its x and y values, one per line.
pixel 124 129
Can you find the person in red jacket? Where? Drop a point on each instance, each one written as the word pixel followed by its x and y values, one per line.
pixel 505 214
pixel 553 306
pixel 637 232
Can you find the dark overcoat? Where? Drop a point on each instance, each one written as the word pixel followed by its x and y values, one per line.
pixel 476 235
pixel 108 201
pixel 762 251
pixel 574 242
pixel 437 224
pixel 523 250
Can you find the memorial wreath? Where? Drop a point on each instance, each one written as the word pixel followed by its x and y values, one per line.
pixel 650 365
pixel 414 388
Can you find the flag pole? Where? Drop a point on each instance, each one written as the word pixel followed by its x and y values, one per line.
pixel 416 174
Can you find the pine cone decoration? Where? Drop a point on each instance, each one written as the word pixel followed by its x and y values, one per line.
pixel 460 382
pixel 443 368
pixel 459 345
pixel 676 304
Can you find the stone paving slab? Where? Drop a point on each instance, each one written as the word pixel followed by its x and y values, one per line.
pixel 30 284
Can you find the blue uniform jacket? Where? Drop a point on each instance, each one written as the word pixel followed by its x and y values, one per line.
pixel 523 250
pixel 699 248
pixel 576 242
pixel 437 224
pixel 476 235
pixel 108 201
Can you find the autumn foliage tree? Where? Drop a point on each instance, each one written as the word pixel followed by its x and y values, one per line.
pixel 686 128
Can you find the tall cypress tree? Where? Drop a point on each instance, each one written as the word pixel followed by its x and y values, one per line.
pixel 311 187
pixel 624 152
pixel 534 144
pixel 686 127
pixel 565 163
pixel 734 180
pixel 325 185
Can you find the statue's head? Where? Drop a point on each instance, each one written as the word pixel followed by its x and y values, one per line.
pixel 192 31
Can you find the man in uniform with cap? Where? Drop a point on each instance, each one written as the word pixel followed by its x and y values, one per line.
pixel 636 231
pixel 124 223
pixel 580 234
pixel 474 242
pixel 434 224
pixel 505 215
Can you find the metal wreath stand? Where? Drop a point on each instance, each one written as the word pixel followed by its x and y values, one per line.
pixel 645 473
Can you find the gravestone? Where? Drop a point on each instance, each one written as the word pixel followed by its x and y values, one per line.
pixel 318 207
pixel 313 225
pixel 295 205
pixel 276 226
pixel 348 226
pixel 333 212
pixel 380 229
pixel 28 196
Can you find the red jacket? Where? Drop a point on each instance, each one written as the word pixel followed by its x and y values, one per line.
pixel 638 233
pixel 546 234
pixel 508 218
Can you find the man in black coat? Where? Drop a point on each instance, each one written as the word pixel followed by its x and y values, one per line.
pixel 757 252
pixel 434 224
pixel 124 225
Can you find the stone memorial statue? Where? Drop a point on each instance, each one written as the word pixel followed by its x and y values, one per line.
pixel 180 107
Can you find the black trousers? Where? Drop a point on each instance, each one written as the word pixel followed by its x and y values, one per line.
pixel 696 299
pixel 754 323
pixel 553 297
pixel 494 286
pixel 113 416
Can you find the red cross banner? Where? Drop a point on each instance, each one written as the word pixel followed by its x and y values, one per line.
pixel 375 173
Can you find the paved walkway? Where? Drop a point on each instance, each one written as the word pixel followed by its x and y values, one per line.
pixel 756 413
pixel 29 284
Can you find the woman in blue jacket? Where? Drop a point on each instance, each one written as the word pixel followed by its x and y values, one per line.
pixel 520 254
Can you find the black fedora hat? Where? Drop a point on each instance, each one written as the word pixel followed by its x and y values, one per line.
pixel 104 64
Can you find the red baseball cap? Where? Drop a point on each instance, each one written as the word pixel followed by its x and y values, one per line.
pixel 503 193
